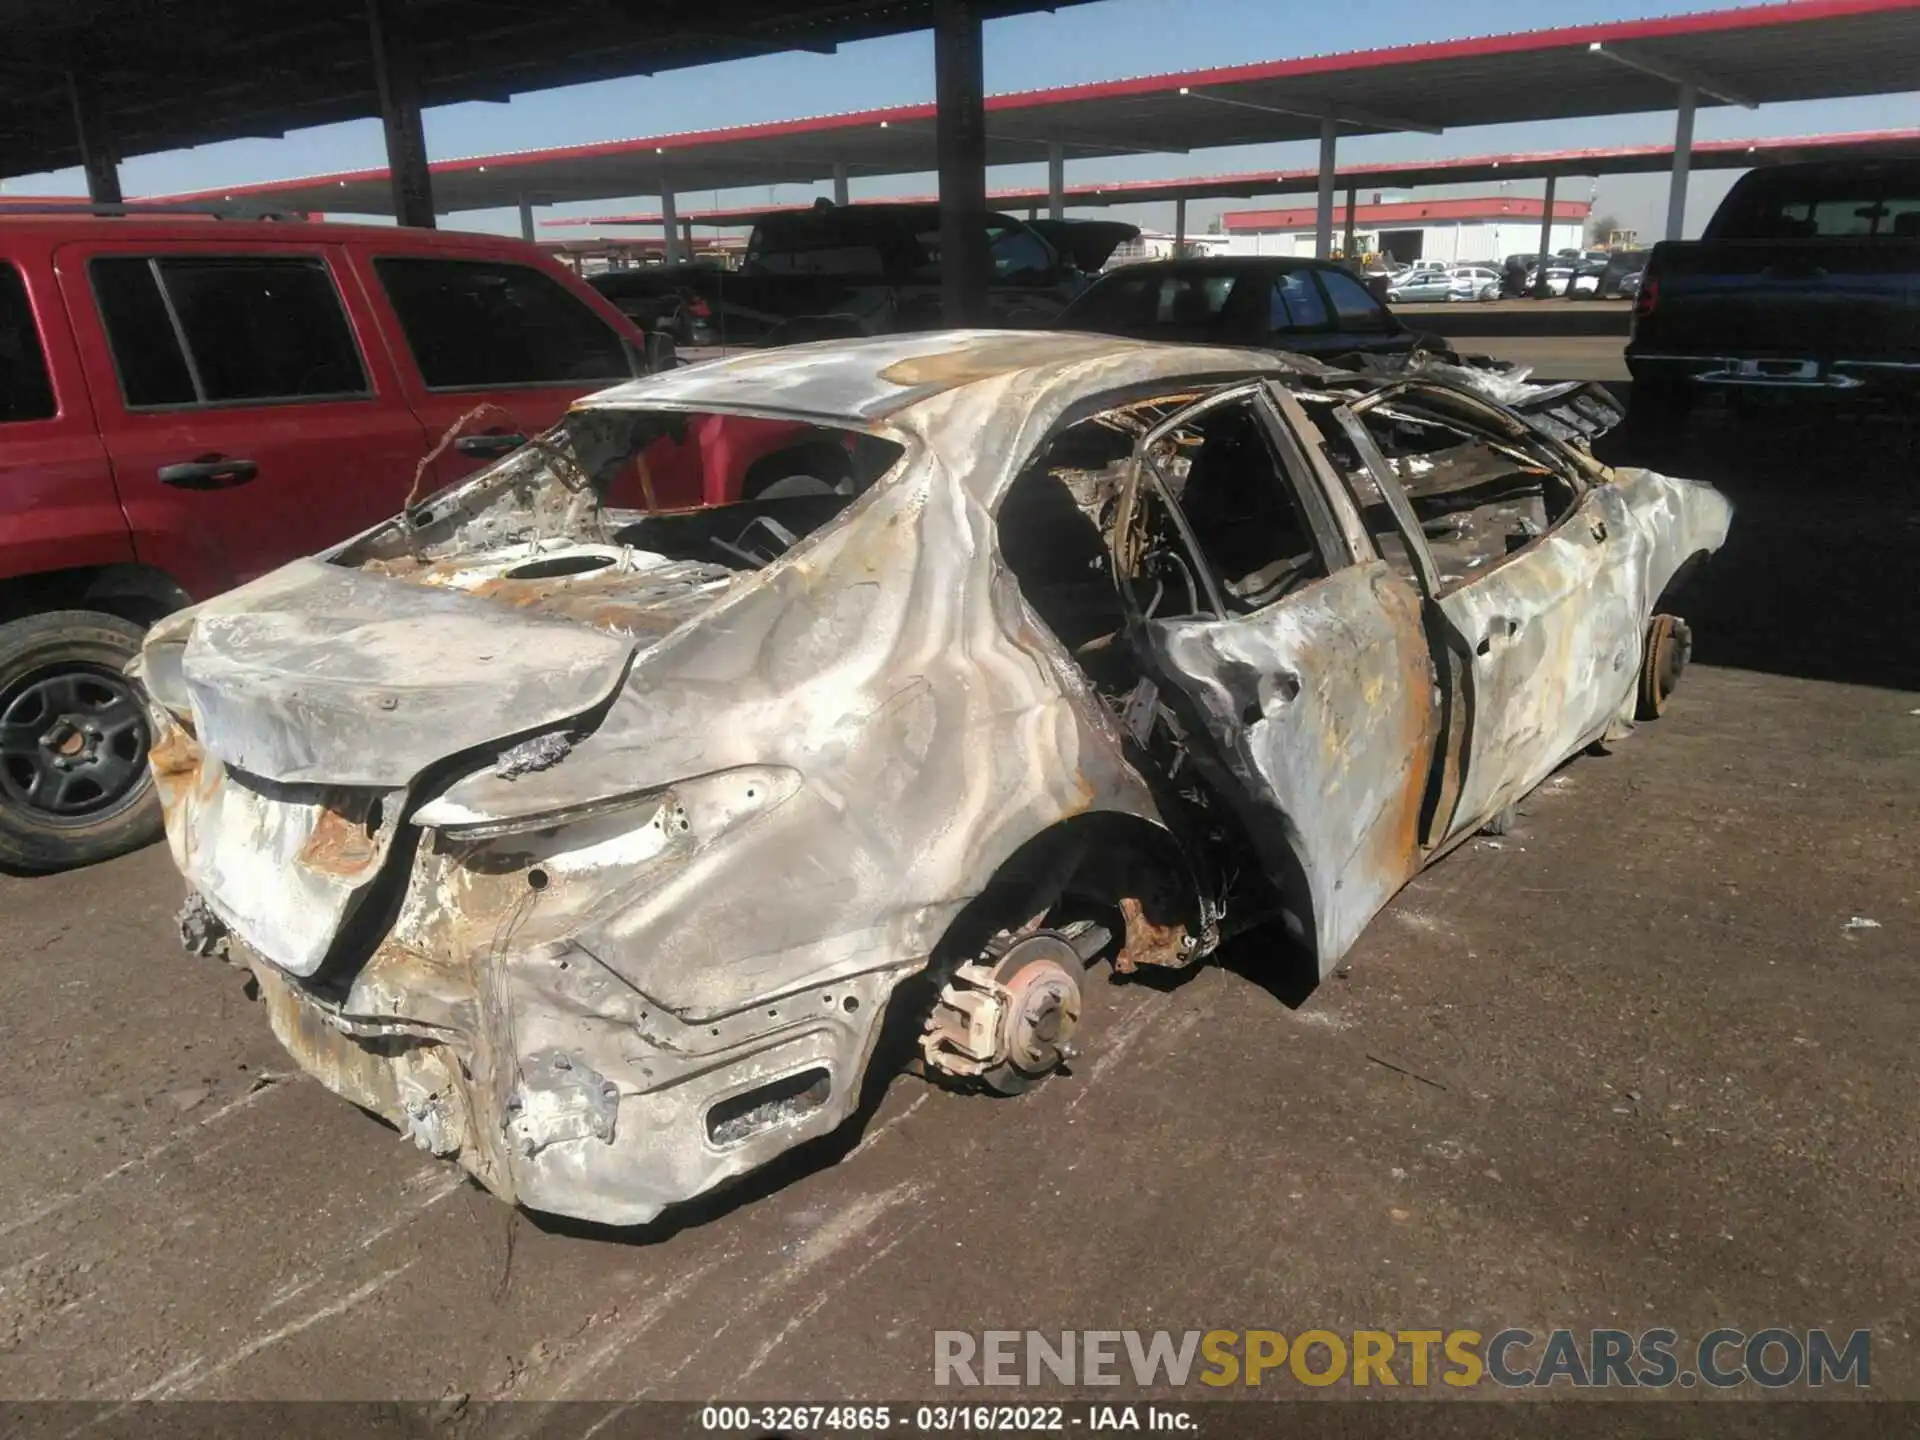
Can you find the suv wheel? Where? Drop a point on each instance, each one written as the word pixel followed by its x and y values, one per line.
pixel 74 785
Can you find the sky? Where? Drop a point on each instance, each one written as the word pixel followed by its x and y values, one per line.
pixel 1104 40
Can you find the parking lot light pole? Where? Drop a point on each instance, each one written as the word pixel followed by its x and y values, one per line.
pixel 1682 162
pixel 1540 288
pixel 399 86
pixel 960 141
pixel 1323 213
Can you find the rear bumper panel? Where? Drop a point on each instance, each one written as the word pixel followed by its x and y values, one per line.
pixel 1837 379
pixel 607 1118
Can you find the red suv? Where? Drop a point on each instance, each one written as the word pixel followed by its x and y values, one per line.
pixel 188 402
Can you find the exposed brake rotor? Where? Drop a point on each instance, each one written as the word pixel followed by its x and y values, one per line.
pixel 1007 1019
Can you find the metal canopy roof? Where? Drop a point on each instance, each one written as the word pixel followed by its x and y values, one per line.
pixel 1396 175
pixel 172 73
pixel 1810 49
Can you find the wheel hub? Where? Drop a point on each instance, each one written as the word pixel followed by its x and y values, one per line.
pixel 1006 1020
pixel 73 742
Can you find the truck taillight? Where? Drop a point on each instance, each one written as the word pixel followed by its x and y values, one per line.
pixel 1648 298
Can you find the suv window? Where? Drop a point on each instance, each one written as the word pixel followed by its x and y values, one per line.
pixel 26 393
pixel 1356 308
pixel 226 329
pixel 1296 303
pixel 481 324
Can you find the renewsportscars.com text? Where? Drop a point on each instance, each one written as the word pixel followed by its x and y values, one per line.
pixel 1772 1358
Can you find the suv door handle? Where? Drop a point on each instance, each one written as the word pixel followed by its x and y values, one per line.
pixel 489 446
pixel 209 472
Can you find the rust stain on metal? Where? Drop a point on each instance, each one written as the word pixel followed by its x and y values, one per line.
pixel 1149 943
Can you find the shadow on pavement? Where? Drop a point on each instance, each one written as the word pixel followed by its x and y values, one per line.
pixel 1818 576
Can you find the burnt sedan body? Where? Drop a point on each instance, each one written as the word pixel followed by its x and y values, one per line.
pixel 593 848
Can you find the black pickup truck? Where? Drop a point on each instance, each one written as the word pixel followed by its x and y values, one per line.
pixel 1806 283
pixel 831 271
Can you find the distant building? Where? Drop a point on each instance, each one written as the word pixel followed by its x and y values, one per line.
pixel 1480 227
pixel 1158 245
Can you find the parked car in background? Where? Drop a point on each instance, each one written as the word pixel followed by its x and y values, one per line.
pixel 1559 276
pixel 1805 284
pixel 662 299
pixel 1473 282
pixel 187 402
pixel 1418 287
pixel 832 271
pixel 1312 307
pixel 1621 278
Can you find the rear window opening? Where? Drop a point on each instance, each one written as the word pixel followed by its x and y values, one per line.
pixel 640 479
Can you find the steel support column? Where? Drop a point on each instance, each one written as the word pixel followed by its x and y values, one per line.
pixel 670 225
pixel 1346 249
pixel 1682 163
pixel 960 140
pixel 1179 226
pixel 839 182
pixel 399 86
pixel 1056 180
pixel 526 220
pixel 1540 290
pixel 1323 212
pixel 96 142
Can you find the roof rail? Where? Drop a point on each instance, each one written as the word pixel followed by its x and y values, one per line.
pixel 9 206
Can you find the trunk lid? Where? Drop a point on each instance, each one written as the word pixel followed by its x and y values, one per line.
pixel 319 675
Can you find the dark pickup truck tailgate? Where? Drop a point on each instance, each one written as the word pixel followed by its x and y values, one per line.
pixel 1826 300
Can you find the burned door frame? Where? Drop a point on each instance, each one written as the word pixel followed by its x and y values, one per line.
pixel 1513 640
pixel 1315 717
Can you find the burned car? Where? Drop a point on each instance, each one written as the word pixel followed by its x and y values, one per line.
pixel 595 848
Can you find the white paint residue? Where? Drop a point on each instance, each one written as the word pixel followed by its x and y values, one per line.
pixel 264 1083
pixel 196 1372
pixel 816 1305
pixel 872 1137
pixel 1118 1039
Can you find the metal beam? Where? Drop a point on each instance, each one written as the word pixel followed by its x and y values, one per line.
pixel 670 223
pixel 95 141
pixel 1346 250
pixel 1682 163
pixel 1672 71
pixel 1056 180
pixel 526 219
pixel 839 182
pixel 1540 291
pixel 1323 208
pixel 960 142
pixel 398 82
pixel 1345 114
pixel 1179 226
